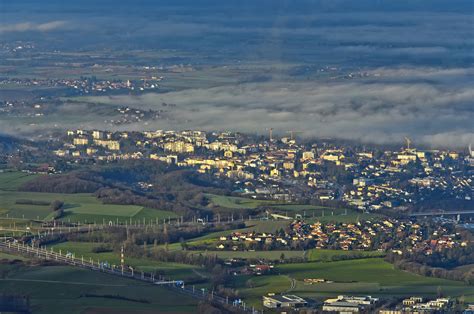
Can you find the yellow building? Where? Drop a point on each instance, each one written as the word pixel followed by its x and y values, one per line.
pixel 366 154
pixel 404 157
pixel 275 172
pixel 97 135
pixel 80 141
pixel 288 165
pixel 179 147
pixel 111 145
pixel 91 151
pixel 308 155
pixel 454 155
pixel 330 157
pixel 61 153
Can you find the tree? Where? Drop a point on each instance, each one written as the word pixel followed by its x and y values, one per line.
pixel 58 214
pixel 56 205
pixel 249 283
pixel 439 292
pixel 182 243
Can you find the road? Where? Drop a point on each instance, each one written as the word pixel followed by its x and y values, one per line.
pixel 441 213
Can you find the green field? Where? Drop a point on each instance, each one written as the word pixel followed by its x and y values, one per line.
pixel 8 256
pixel 234 202
pixel 371 276
pixel 77 207
pixel 56 289
pixel 12 180
pixel 309 212
pixel 252 225
pixel 85 208
pixel 318 255
pixel 366 270
pixel 84 249
pixel 268 255
pixel 314 255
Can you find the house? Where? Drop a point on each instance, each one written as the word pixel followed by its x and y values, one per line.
pixel 341 307
pixel 348 304
pixel 262 269
pixel 412 301
pixel 284 301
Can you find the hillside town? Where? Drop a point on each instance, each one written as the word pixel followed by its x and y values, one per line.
pixel 286 170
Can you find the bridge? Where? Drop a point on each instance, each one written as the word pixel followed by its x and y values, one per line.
pixel 443 213
pixel 177 286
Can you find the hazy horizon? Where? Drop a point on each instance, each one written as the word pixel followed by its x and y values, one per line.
pixel 415 56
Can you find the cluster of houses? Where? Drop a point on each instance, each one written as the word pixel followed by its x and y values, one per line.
pixel 376 183
pixel 285 170
pixel 89 85
pixel 389 234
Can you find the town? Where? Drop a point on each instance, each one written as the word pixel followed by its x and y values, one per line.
pixel 234 157
pixel 88 85
pixel 283 206
pixel 282 169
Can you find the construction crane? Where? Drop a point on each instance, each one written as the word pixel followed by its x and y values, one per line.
pixel 292 133
pixel 270 131
pixel 408 141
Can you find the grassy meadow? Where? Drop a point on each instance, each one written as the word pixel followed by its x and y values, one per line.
pixel 308 212
pixel 81 207
pixel 371 276
pixel 85 250
pixel 56 289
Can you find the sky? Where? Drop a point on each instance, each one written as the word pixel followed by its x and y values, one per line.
pixel 418 55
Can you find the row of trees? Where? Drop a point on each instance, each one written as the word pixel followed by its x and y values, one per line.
pixel 68 183
pixel 407 263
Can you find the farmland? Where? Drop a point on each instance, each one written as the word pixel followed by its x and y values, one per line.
pixel 309 212
pixel 85 250
pixel 233 202
pixel 53 289
pixel 12 180
pixel 85 208
pixel 314 255
pixel 267 255
pixel 328 255
pixel 345 272
pixel 363 276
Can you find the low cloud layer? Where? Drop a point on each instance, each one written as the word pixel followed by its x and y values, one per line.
pixel 380 111
pixel 28 27
pixel 418 56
